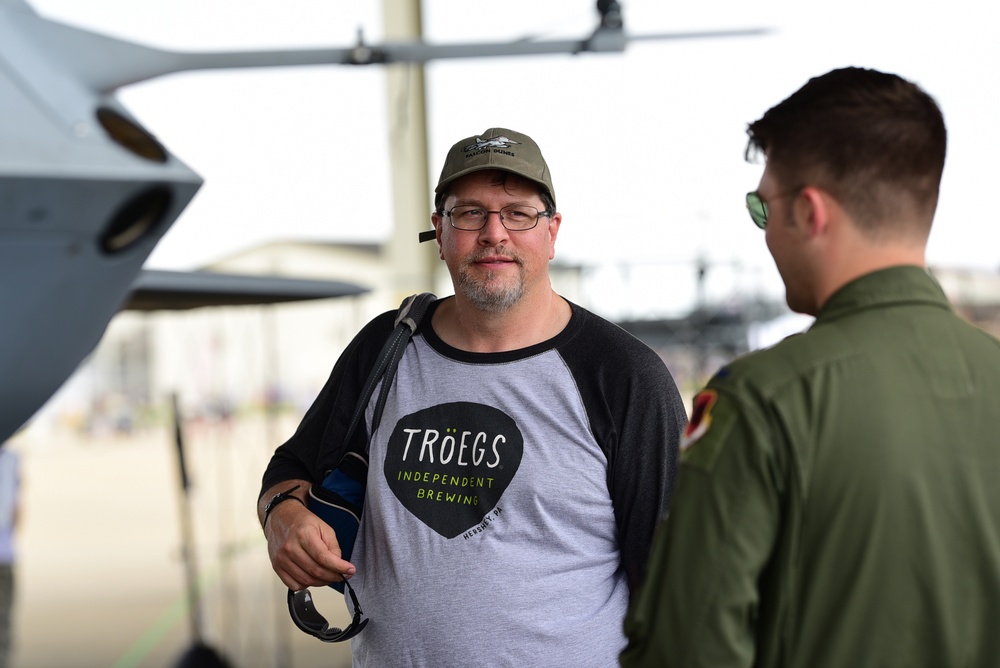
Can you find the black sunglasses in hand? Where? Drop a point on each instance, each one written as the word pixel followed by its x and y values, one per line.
pixel 308 619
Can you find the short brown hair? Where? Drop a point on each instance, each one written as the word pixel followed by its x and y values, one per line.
pixel 865 136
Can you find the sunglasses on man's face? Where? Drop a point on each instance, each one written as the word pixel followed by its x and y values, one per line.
pixel 308 619
pixel 757 208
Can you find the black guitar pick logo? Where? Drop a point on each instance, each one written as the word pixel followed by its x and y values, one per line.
pixel 450 464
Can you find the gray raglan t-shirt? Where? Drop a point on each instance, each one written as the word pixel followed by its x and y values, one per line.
pixel 511 500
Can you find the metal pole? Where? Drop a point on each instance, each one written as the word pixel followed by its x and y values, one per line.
pixel 414 265
pixel 187 531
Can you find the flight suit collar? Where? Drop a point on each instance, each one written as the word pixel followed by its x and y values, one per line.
pixel 895 285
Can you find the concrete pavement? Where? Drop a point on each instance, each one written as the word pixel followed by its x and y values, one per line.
pixel 101 578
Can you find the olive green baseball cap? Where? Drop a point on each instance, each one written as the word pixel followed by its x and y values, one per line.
pixel 497 148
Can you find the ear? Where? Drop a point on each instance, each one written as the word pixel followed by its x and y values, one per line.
pixel 436 220
pixel 814 207
pixel 554 222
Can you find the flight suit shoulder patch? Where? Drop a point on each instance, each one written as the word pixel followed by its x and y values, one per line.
pixel 705 434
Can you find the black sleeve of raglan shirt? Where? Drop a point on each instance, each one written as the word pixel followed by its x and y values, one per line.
pixel 316 446
pixel 638 416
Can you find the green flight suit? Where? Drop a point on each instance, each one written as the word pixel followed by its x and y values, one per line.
pixel 838 502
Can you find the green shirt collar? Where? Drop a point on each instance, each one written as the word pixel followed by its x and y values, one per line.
pixel 895 285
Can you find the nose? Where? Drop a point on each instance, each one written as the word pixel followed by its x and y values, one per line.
pixel 493 232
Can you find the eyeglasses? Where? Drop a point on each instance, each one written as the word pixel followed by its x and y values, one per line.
pixel 758 207
pixel 308 619
pixel 516 218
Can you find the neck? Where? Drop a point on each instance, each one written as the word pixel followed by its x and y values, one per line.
pixel 462 325
pixel 866 260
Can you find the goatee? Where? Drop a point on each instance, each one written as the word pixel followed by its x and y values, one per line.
pixel 487 297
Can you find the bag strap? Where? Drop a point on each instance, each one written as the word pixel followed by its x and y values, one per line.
pixel 408 318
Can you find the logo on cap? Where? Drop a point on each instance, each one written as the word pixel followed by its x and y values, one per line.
pixel 496 142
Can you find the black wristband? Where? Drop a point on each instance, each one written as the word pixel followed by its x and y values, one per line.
pixel 278 498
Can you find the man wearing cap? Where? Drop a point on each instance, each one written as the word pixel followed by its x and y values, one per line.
pixel 525 453
pixel 837 503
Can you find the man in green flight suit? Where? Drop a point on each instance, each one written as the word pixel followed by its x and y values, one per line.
pixel 838 503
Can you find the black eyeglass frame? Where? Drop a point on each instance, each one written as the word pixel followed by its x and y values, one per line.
pixel 308 619
pixel 539 214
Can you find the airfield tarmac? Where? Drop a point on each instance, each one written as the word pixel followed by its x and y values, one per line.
pixel 101 576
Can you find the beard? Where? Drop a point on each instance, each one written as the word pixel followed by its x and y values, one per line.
pixel 491 293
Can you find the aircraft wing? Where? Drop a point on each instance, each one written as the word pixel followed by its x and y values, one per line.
pixel 156 290
pixel 104 64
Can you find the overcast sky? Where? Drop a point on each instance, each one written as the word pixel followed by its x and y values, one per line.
pixel 646 147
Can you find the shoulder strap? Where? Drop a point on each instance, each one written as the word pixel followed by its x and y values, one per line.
pixel 408 318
